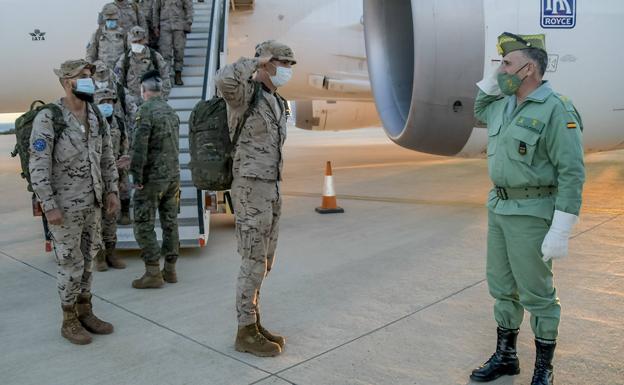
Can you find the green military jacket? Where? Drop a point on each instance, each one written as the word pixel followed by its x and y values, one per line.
pixel 535 144
pixel 156 143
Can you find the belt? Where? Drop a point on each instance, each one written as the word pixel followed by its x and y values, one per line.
pixel 505 193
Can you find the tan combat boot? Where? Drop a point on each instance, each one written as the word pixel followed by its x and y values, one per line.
pixel 152 279
pixel 100 261
pixel 178 78
pixel 112 259
pixel 72 328
pixel 84 311
pixel 169 272
pixel 249 340
pixel 276 338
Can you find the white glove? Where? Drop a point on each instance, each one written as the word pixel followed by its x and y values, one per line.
pixel 489 84
pixel 555 243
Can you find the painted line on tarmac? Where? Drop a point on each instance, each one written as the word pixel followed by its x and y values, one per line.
pixel 191 339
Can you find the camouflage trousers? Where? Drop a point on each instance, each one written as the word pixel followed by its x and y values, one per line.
pixel 257 208
pixel 172 44
pixel 164 197
pixel 76 242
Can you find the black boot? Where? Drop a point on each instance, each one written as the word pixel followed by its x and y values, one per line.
pixel 544 353
pixel 503 362
pixel 124 218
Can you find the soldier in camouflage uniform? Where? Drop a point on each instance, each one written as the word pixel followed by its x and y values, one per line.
pixel 139 60
pixel 146 9
pixel 172 21
pixel 155 170
pixel 125 110
pixel 257 173
pixel 74 176
pixel 130 14
pixel 105 99
pixel 109 41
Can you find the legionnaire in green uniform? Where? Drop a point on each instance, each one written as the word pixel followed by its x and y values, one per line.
pixel 155 170
pixel 535 161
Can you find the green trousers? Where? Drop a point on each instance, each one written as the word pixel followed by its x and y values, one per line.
pixel 517 276
pixel 164 197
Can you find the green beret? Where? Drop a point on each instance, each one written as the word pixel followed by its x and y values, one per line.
pixel 508 42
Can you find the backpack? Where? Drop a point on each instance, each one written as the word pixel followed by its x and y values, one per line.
pixel 210 146
pixel 23 129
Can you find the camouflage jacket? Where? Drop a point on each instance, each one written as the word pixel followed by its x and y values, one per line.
pixel 176 15
pixel 258 153
pixel 119 137
pixel 106 45
pixel 146 8
pixel 155 148
pixel 140 64
pixel 129 16
pixel 74 170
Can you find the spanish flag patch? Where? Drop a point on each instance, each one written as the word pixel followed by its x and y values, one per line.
pixel 571 125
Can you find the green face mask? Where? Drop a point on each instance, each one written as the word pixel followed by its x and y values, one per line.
pixel 510 83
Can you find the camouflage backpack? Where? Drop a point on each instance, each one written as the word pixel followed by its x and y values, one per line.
pixel 210 145
pixel 23 129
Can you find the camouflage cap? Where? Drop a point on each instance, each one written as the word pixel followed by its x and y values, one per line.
pixel 508 42
pixel 101 69
pixel 103 94
pixel 136 34
pixel 278 50
pixel 110 12
pixel 72 68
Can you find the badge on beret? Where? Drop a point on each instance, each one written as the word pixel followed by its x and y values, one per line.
pixel 39 145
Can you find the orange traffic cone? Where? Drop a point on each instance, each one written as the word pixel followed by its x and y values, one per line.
pixel 329 204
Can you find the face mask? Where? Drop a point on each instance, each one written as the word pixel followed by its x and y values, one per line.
pixel 106 109
pixel 137 48
pixel 99 85
pixel 111 24
pixel 510 83
pixel 282 76
pixel 84 89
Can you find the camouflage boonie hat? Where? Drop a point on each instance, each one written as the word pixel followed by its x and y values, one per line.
pixel 279 51
pixel 103 94
pixel 101 70
pixel 110 12
pixel 72 68
pixel 508 42
pixel 136 34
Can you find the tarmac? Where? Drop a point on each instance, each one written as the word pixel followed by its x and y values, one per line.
pixel 393 291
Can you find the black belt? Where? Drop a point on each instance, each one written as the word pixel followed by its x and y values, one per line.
pixel 505 193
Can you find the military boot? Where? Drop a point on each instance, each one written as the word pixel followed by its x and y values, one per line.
pixel 169 272
pixel 544 353
pixel 249 340
pixel 152 279
pixel 72 328
pixel 84 311
pixel 178 78
pixel 100 261
pixel 124 217
pixel 112 259
pixel 504 361
pixel 276 338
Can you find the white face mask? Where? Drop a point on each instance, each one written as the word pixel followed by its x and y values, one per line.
pixel 282 76
pixel 137 48
pixel 99 85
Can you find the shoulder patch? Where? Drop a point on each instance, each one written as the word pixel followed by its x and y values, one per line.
pixel 39 145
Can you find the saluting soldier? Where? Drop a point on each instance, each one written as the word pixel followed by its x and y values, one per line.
pixel 535 161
